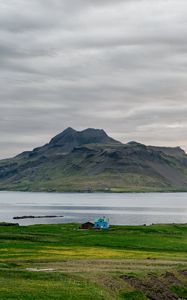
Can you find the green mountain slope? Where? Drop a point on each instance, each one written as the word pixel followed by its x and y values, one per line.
pixel 90 160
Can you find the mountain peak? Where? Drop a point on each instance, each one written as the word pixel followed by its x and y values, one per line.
pixel 69 130
pixel 70 138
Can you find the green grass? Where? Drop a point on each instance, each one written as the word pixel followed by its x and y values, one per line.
pixel 25 285
pixel 180 291
pixel 64 262
pixel 135 295
pixel 157 238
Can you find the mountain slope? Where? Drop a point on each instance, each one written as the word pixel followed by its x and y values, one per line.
pixel 67 140
pixel 90 160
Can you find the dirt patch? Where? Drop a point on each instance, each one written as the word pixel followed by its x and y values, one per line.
pixel 171 279
pixel 184 273
pixel 152 287
pixel 110 283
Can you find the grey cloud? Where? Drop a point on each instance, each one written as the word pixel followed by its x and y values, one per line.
pixel 117 65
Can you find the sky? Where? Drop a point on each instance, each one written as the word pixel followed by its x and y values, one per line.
pixel 119 65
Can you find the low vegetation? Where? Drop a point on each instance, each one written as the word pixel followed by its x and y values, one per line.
pixel 65 262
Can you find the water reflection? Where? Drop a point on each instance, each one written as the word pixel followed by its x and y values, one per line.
pixel 122 209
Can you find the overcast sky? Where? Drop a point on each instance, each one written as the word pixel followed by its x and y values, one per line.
pixel 120 65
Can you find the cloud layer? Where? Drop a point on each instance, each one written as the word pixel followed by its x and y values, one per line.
pixel 118 65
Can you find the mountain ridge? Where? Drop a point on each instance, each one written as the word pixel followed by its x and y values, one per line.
pixel 90 160
pixel 70 138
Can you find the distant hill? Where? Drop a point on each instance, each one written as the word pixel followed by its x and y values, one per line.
pixel 90 160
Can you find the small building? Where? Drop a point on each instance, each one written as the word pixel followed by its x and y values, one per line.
pixel 101 223
pixel 87 225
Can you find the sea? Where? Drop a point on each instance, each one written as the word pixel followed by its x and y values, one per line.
pixel 120 208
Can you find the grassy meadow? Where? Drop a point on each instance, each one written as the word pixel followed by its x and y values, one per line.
pixel 63 262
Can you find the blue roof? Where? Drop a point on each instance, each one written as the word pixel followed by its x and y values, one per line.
pixel 101 219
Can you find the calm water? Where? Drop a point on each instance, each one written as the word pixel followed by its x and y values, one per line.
pixel 128 208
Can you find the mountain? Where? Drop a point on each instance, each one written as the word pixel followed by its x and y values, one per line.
pixel 67 140
pixel 90 160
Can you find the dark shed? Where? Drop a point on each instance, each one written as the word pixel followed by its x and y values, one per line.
pixel 87 225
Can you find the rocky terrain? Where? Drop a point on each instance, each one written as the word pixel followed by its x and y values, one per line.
pixel 90 160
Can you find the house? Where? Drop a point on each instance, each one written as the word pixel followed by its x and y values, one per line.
pixel 87 225
pixel 101 223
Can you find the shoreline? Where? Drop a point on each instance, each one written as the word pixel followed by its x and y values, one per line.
pixel 112 226
pixel 95 192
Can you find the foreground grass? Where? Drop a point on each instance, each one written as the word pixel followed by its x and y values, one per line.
pixel 64 262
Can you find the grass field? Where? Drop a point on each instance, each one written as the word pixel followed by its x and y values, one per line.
pixel 64 262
